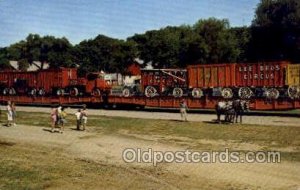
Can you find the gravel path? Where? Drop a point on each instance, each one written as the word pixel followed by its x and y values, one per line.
pixel 256 120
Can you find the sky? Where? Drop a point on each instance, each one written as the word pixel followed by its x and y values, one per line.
pixel 79 20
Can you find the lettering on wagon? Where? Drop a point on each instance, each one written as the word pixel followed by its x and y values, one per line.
pixel 263 72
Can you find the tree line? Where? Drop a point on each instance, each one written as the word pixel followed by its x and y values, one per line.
pixel 273 35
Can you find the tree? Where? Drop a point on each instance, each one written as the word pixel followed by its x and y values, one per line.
pixel 23 64
pixel 208 41
pixel 221 44
pixel 55 51
pixel 277 13
pixel 4 61
pixel 193 48
pixel 103 53
pixel 161 47
pixel 276 31
pixel 243 37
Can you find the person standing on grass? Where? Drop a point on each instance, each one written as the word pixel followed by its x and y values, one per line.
pixel 53 118
pixel 14 113
pixel 84 117
pixel 183 110
pixel 63 121
pixel 58 111
pixel 9 114
pixel 78 119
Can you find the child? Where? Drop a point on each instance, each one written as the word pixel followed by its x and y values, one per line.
pixel 58 113
pixel 78 118
pixel 53 118
pixel 63 116
pixel 183 109
pixel 84 117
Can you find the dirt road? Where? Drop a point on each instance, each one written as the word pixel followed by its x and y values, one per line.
pixel 108 148
pixel 256 120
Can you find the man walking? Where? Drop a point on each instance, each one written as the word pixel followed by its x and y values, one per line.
pixel 84 117
pixel 9 114
pixel 78 119
pixel 183 109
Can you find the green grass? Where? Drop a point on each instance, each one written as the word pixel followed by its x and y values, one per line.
pixel 279 136
pixel 38 167
pixel 270 137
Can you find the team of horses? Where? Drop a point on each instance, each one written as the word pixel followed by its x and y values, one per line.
pixel 232 110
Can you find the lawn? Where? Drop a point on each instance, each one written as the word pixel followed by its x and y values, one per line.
pixel 24 166
pixel 269 137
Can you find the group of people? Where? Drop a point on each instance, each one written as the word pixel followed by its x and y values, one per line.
pixel 58 118
pixel 81 118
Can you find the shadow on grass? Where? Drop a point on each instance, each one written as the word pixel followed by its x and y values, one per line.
pixel 50 131
pixel 177 120
pixel 5 125
pixel 75 129
pixel 5 143
pixel 222 122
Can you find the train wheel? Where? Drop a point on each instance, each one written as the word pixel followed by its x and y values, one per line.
pixel 96 92
pixel 126 92
pixel 5 91
pixel 272 93
pixel 177 92
pixel 197 93
pixel 150 91
pixel 60 92
pixel 245 93
pixel 227 93
pixel 74 91
pixel 293 92
pixel 41 92
pixel 12 91
pixel 33 92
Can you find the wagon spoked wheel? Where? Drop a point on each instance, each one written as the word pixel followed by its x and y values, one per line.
pixel 293 92
pixel 33 92
pixel 177 92
pixel 245 93
pixel 96 92
pixel 272 93
pixel 5 91
pixel 197 93
pixel 12 91
pixel 150 91
pixel 74 91
pixel 227 93
pixel 126 92
pixel 60 92
pixel 41 92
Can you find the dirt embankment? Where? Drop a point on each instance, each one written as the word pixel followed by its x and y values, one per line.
pixel 108 148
